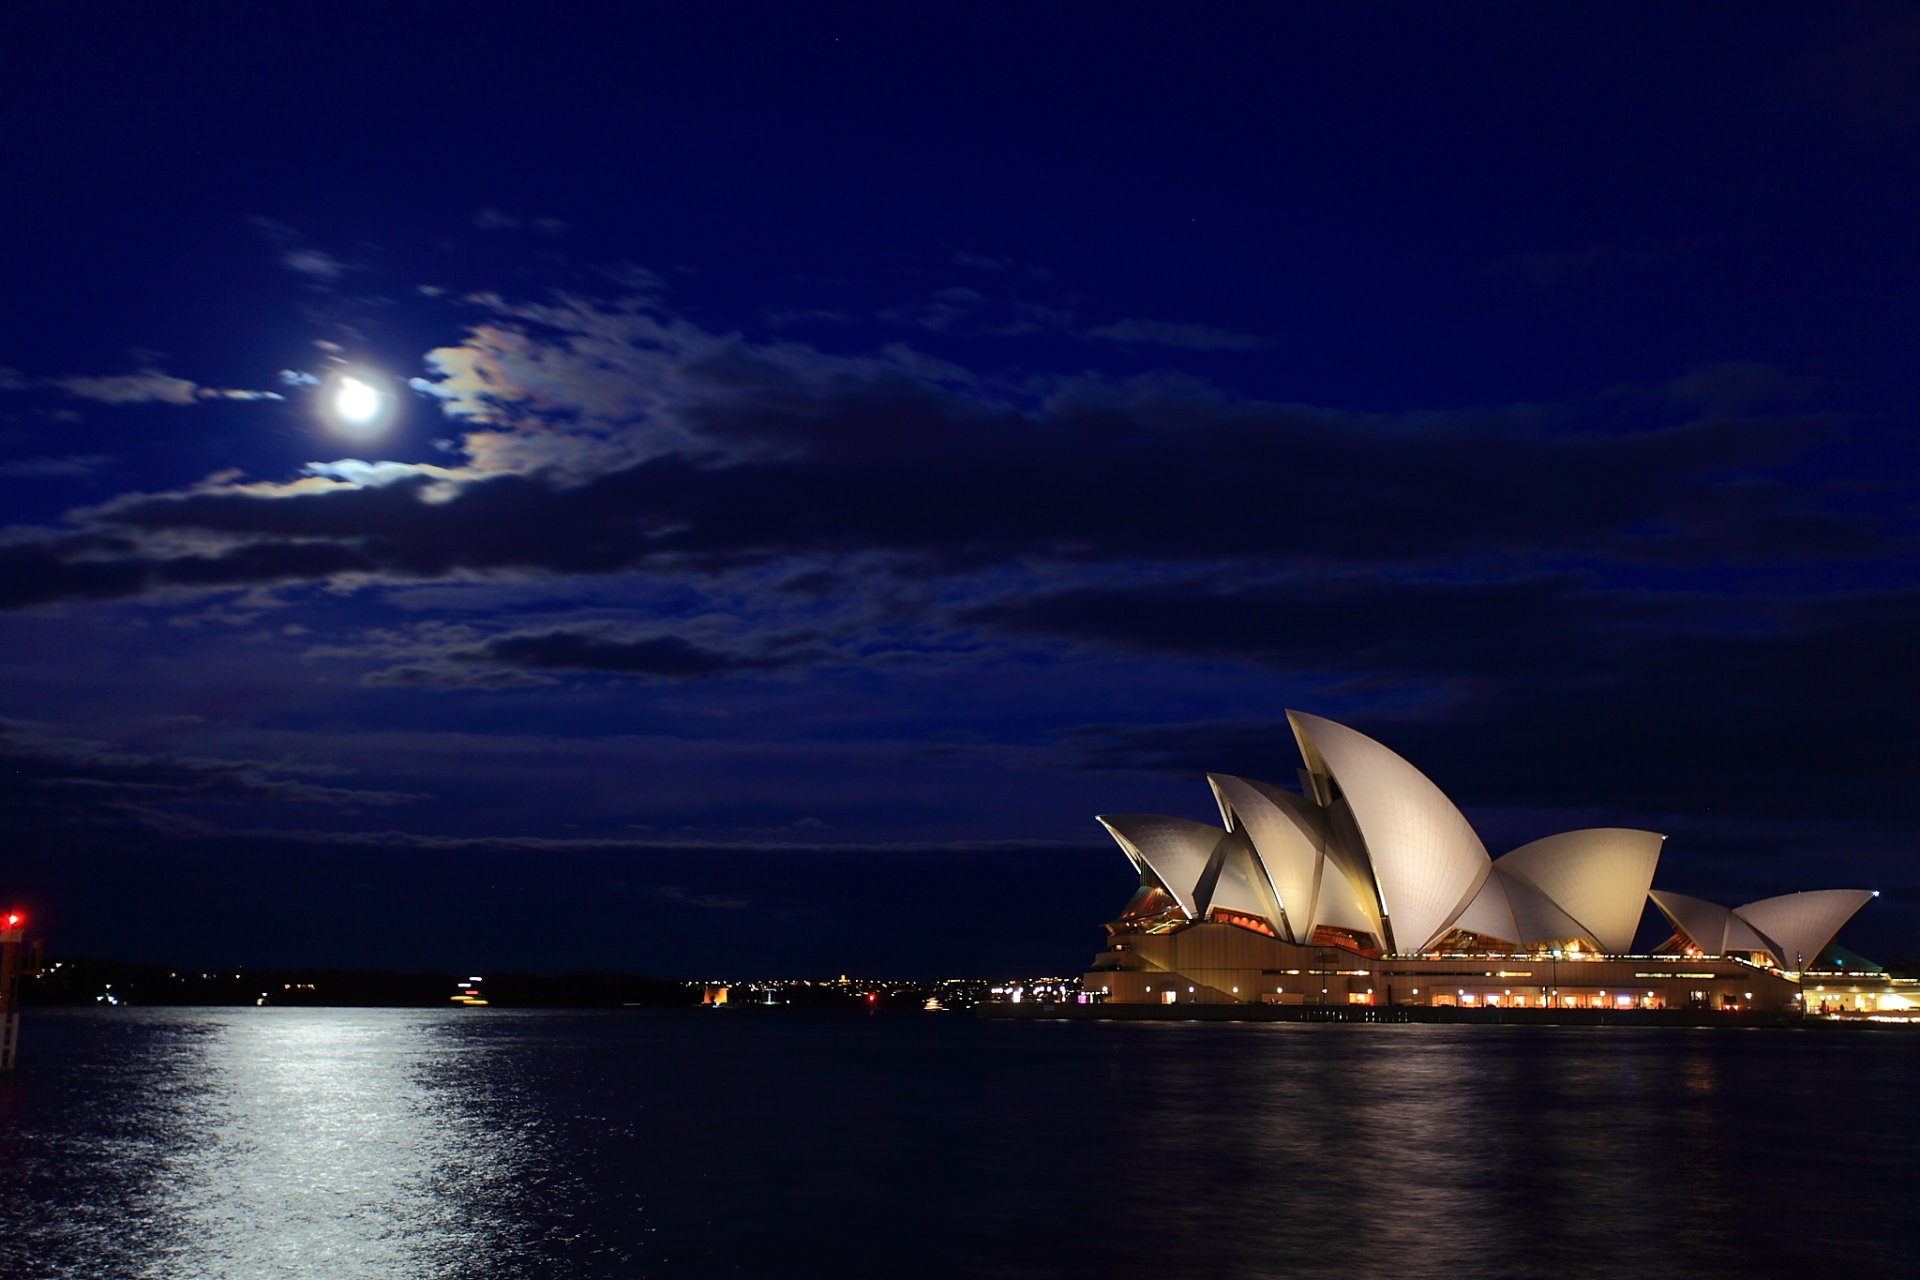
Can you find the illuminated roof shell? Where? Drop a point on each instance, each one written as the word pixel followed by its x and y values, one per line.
pixel 1700 922
pixel 1599 876
pixel 1289 837
pixel 1173 850
pixel 1793 928
pixel 1800 925
pixel 1235 880
pixel 1425 857
pixel 1510 908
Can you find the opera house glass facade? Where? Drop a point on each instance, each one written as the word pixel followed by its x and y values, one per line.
pixel 1368 887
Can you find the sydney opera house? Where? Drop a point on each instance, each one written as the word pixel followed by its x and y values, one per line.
pixel 1368 887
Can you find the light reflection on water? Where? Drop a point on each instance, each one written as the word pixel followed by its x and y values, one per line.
pixel 338 1130
pixel 442 1143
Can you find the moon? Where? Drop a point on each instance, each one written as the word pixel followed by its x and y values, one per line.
pixel 358 405
pixel 355 401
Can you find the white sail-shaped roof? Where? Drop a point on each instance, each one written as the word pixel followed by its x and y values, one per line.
pixel 1599 876
pixel 1344 905
pixel 1235 880
pixel 1374 848
pixel 1714 929
pixel 1349 898
pixel 1509 908
pixel 1489 912
pixel 1800 925
pixel 1287 834
pixel 1703 923
pixel 1174 850
pixel 1425 857
pixel 1541 919
pixel 1742 936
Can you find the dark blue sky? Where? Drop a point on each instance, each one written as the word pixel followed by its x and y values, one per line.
pixel 833 451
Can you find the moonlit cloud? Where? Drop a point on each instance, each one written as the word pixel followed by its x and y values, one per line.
pixel 150 386
pixel 490 219
pixel 319 268
pixel 314 264
pixel 234 393
pixel 605 436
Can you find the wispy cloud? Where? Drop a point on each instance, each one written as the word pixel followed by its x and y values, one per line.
pixel 73 466
pixel 491 219
pixel 318 267
pixel 657 656
pixel 1185 337
pixel 151 386
pixel 961 309
pixel 49 782
pixel 315 264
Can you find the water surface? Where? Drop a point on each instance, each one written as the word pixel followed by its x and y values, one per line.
pixel 400 1144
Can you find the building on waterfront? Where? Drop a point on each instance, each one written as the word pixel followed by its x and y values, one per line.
pixel 1368 887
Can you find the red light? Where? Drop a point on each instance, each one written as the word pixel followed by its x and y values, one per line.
pixel 15 919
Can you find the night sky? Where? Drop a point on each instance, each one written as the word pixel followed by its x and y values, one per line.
pixel 830 452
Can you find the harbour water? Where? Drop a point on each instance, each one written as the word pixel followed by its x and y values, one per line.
pixel 399 1144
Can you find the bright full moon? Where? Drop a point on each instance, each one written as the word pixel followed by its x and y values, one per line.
pixel 358 406
pixel 356 402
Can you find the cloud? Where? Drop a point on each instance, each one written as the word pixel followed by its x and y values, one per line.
pixel 73 466
pixel 963 310
pixel 953 309
pixel 50 784
pixel 668 657
pixel 1184 337
pixel 1740 387
pixel 604 437
pixel 458 657
pixel 679 897
pixel 1392 628
pixel 999 264
pixel 440 675
pixel 235 393
pixel 147 386
pixel 494 220
pixel 319 268
pixel 151 386
pixel 315 264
